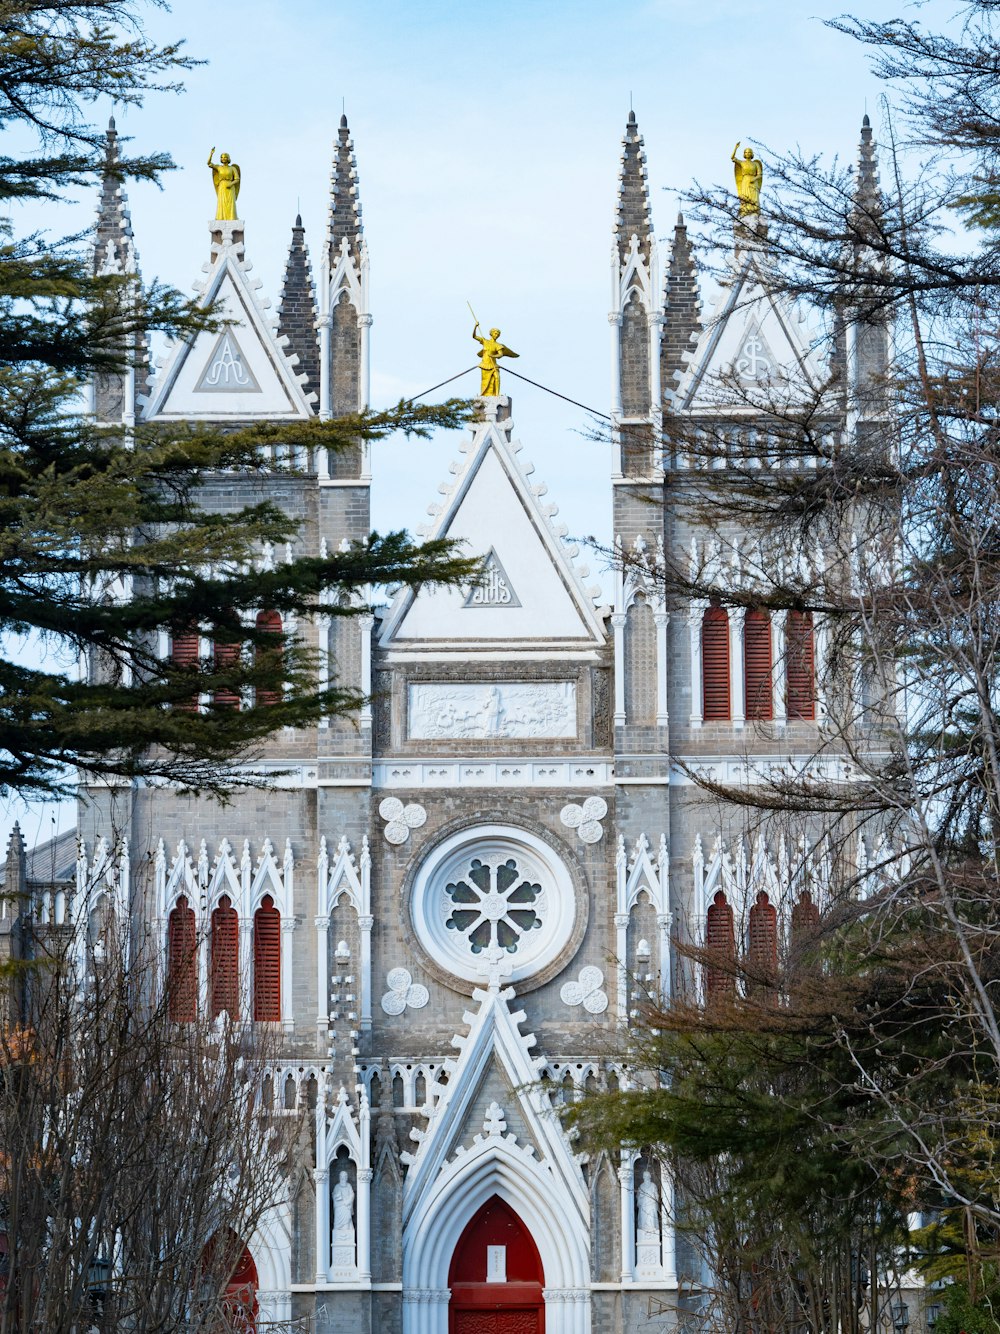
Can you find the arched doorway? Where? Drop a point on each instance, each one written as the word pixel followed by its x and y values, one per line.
pixel 496 1276
pixel 240 1300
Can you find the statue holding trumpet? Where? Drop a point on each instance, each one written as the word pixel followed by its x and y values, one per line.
pixel 489 366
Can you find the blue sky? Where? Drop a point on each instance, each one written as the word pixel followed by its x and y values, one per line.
pixel 487 140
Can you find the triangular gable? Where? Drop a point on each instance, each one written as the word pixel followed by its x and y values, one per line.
pixel 755 341
pixel 239 374
pixel 492 509
pixel 493 1038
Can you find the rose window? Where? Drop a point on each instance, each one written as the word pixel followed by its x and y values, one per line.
pixel 493 902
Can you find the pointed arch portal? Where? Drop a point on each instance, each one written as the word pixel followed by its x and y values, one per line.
pixel 496 1276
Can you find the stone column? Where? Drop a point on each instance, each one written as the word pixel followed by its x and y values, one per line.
pixel 365 1175
pixel 365 624
pixel 737 686
pixel 621 943
pixel 567 1310
pixel 661 620
pixel 246 967
pixel 321 1179
pixel 626 1178
pixel 615 320
pixel 322 980
pixel 323 462
pixel 778 650
pixel 618 624
pixel 695 617
pixel 365 924
pixel 663 921
pixel 288 925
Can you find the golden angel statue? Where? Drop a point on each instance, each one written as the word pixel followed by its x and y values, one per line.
pixel 749 178
pixel 493 350
pixel 226 179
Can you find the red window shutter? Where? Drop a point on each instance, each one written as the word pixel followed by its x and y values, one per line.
pixel 267 962
pixel 720 945
pixel 225 970
pixel 184 654
pixel 715 664
pixel 269 656
pixel 182 963
pixel 800 665
pixel 226 656
pixel 757 664
pixel 763 951
pixel 805 918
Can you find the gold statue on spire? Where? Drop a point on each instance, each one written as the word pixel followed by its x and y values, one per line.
pixel 226 179
pixel 493 350
pixel 749 178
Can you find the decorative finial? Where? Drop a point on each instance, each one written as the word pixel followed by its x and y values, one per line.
pixel 749 177
pixel 343 121
pixel 631 116
pixel 226 179
pixel 493 350
pixel 866 123
pixel 298 221
pixel 111 124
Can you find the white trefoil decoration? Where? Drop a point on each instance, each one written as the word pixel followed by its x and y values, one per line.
pixel 586 819
pixel 403 992
pixel 400 819
pixel 587 991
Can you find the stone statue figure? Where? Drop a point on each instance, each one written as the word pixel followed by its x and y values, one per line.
pixel 749 178
pixel 226 179
pixel 343 1207
pixel 493 349
pixel 649 1204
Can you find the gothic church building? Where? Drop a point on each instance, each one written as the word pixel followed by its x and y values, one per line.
pixel 461 895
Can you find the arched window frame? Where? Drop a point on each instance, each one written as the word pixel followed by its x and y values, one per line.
pixel 269 622
pixel 182 962
pixel 226 978
pixel 800 691
pixel 713 669
pixel 267 961
pixel 758 665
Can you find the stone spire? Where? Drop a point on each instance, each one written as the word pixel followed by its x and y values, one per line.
pixel 114 396
pixel 15 871
pixel 297 311
pixel 635 314
pixel 681 308
pixel 114 248
pixel 344 218
pixel 344 318
pixel 633 217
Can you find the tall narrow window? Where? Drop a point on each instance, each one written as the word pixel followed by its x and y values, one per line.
pixel 269 656
pixel 757 663
pixel 184 654
pixel 267 962
pixel 720 945
pixel 715 664
pixel 226 657
pixel 182 967
pixel 800 668
pixel 763 951
pixel 225 950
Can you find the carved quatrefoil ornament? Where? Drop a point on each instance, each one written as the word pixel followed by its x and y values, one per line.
pixel 403 992
pixel 586 819
pixel 400 819
pixel 587 991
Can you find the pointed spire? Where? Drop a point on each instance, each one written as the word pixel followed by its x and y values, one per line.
pixel 16 869
pixel 633 217
pixel 344 219
pixel 867 195
pixel 114 249
pixel 681 307
pixel 297 311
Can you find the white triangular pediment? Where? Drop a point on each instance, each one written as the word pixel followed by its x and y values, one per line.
pixel 240 373
pixel 530 591
pixel 755 343
pixel 494 1060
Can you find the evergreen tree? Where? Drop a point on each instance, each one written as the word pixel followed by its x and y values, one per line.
pixel 105 543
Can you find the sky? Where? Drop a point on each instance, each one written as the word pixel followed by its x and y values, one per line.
pixel 488 141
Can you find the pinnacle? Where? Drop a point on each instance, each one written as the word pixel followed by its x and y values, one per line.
pixel 298 222
pixel 866 123
pixel 343 122
pixel 631 117
pixel 297 309
pixel 111 125
pixel 632 216
pixel 344 217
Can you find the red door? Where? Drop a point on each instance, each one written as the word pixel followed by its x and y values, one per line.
pixel 496 1276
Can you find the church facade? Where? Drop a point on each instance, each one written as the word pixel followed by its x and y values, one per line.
pixel 451 905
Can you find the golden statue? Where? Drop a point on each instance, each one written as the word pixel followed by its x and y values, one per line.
pixel 493 349
pixel 749 178
pixel 226 179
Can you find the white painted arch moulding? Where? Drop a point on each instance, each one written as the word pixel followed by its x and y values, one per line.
pixel 532 1191
pixel 566 897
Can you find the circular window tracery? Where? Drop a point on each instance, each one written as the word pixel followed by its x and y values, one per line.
pixel 493 902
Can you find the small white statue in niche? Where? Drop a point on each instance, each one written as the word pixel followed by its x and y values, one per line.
pixel 648 1199
pixel 343 1209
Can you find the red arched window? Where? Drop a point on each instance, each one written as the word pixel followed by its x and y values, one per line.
pixel 226 656
pixel 800 667
pixel 225 951
pixel 763 951
pixel 757 663
pixel 182 963
pixel 269 656
pixel 805 918
pixel 267 962
pixel 715 664
pixel 184 654
pixel 720 945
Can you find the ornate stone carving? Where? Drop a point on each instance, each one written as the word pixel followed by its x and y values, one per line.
pixel 586 991
pixel 403 992
pixel 586 819
pixel 400 819
pixel 473 709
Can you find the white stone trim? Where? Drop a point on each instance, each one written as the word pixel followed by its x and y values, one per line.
pixel 516 772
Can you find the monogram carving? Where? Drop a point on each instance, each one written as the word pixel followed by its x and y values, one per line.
pixel 467 710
